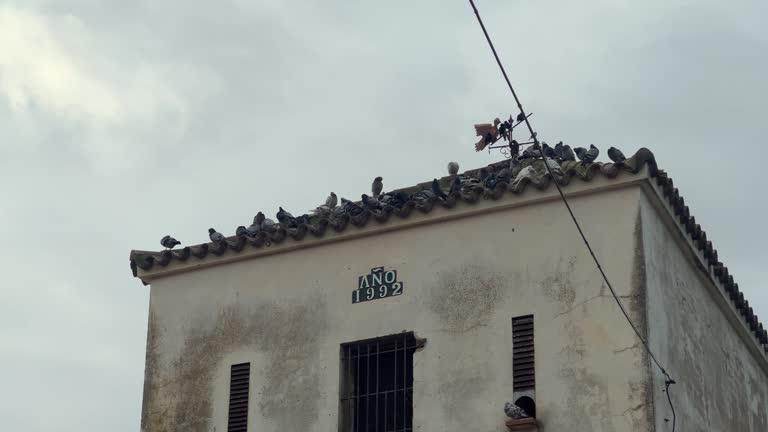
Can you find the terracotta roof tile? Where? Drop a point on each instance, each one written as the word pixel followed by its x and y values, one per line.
pixel 317 226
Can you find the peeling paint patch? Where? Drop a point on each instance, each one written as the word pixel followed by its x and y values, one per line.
pixel 465 298
pixel 286 334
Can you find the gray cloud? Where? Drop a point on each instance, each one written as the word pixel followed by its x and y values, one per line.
pixel 123 121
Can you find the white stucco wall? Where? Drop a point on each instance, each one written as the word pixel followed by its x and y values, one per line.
pixel 464 280
pixel 721 384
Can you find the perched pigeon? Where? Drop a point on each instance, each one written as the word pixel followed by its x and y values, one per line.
pixel 169 242
pixel 377 187
pixel 548 151
pixel 437 190
pixel 215 236
pixel 331 201
pixel 505 129
pixel 616 155
pixel 285 218
pixel 521 117
pixel 252 230
pixel 514 412
pixel 350 207
pixel 591 154
pixel 399 198
pixel 241 231
pixel 567 154
pixel 370 203
pixel 526 172
pixel 453 168
pixel 514 149
pixel 554 167
pixel 530 152
pixel 483 174
pixel 455 186
pixel 266 224
pixel 504 175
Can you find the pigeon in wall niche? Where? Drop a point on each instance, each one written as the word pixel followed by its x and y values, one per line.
pixel 616 155
pixel 332 200
pixel 488 134
pixel 453 168
pixel 169 242
pixel 524 407
pixel 377 186
pixel 215 236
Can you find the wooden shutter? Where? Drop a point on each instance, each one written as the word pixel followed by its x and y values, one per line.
pixel 522 354
pixel 239 384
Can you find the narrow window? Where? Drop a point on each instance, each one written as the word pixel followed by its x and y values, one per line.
pixel 522 354
pixel 377 384
pixel 239 382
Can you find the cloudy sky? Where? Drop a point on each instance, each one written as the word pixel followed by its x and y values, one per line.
pixel 122 121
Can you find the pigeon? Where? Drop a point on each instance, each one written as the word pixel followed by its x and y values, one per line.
pixel 567 154
pixel 548 151
pixel 267 223
pixel 350 207
pixel 215 236
pixel 505 129
pixel 241 231
pixel 526 172
pixel 590 155
pixel 285 218
pixel 377 187
pixel 504 175
pixel 254 228
pixel 514 412
pixel 514 149
pixel 482 174
pixel 453 168
pixel 169 242
pixel 455 186
pixel 530 152
pixel 399 198
pixel 616 155
pixel 331 201
pixel 521 117
pixel 370 203
pixel 437 190
pixel 554 167
pixel 488 134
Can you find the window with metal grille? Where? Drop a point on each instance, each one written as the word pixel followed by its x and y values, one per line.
pixel 239 382
pixel 377 384
pixel 522 354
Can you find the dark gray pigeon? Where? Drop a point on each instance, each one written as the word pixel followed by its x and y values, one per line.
pixel 169 242
pixel 437 190
pixel 252 230
pixel 331 201
pixel 567 153
pixel 455 186
pixel 377 186
pixel 284 217
pixel 616 155
pixel 370 203
pixel 591 154
pixel 215 236
pixel 504 175
pixel 241 231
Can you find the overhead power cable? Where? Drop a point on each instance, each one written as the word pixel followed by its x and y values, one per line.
pixel 668 379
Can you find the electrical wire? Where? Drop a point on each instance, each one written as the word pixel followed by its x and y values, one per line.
pixel 668 381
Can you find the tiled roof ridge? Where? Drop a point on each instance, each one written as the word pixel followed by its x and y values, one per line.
pixel 318 225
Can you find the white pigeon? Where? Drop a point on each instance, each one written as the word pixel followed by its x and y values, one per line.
pixel 554 167
pixel 526 172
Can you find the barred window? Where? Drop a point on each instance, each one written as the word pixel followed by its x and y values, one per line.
pixel 377 384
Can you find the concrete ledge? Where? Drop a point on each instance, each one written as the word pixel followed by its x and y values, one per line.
pixel 523 425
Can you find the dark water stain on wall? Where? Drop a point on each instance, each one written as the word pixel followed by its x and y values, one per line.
pixel 458 388
pixel 286 334
pixel 466 297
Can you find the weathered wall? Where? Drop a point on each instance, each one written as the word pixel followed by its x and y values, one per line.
pixel 720 384
pixel 464 280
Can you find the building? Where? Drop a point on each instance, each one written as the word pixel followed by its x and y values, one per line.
pixel 430 314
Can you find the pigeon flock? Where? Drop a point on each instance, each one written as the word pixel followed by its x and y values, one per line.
pixel 521 166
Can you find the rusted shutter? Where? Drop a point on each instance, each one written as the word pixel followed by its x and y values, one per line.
pixel 238 397
pixel 522 354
